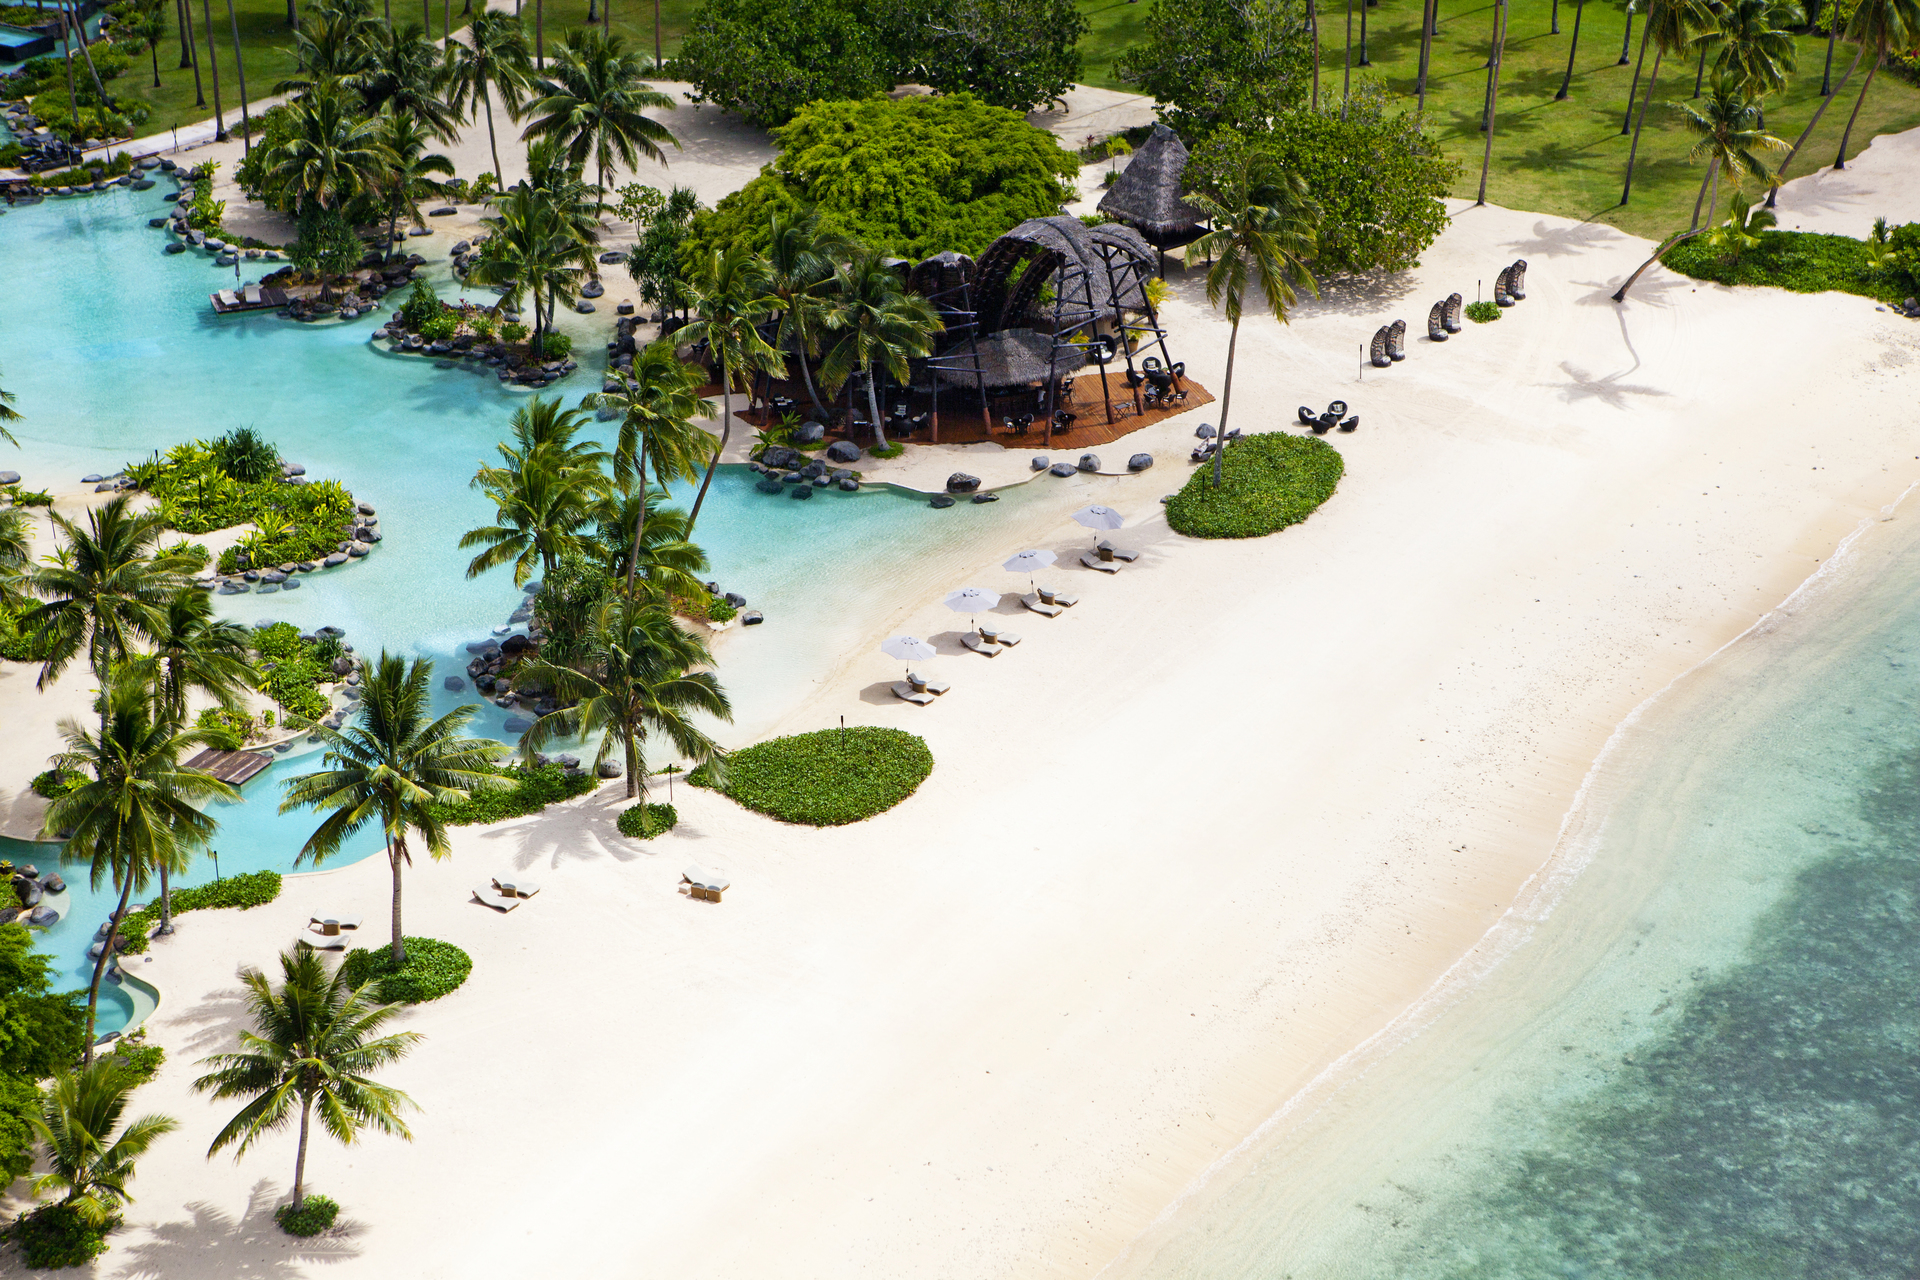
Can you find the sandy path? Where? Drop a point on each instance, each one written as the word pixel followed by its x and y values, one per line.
pixel 1183 846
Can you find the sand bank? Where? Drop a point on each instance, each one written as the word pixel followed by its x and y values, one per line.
pixel 1183 847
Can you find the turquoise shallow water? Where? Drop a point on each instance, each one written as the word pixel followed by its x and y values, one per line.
pixel 113 351
pixel 1699 1058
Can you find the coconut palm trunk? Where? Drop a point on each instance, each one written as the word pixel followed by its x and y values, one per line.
pixel 300 1155
pixel 1833 34
pixel 657 64
pixel 1226 403
pixel 396 857
pixel 240 73
pixel 1313 33
pixel 1493 93
pixel 486 96
pixel 640 521
pixel 183 16
pixel 806 376
pixel 1779 174
pixel 213 68
pixel 73 96
pixel 100 965
pixel 1633 151
pixel 1566 82
pixel 726 430
pixel 1633 92
pixel 1713 169
pixel 1840 158
pixel 1346 69
pixel 166 902
pixel 1426 49
pixel 540 35
pixel 873 408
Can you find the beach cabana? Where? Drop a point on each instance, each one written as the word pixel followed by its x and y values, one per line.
pixel 1147 195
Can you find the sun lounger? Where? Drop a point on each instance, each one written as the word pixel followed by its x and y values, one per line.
pixel 1109 549
pixel 312 937
pixel 907 693
pixel 1033 601
pixel 1007 638
pixel 1093 561
pixel 515 888
pixel 252 294
pixel 494 898
pixel 227 298
pixel 927 684
pixel 335 924
pixel 980 644
pixel 705 885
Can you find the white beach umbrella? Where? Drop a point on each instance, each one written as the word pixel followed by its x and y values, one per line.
pixel 971 600
pixel 1029 562
pixel 1097 518
pixel 907 648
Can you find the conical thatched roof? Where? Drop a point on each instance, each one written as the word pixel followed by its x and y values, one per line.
pixel 1147 196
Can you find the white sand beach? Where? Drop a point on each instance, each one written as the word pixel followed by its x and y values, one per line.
pixel 1182 848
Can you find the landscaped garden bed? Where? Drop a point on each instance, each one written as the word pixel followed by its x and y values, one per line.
pixel 427 326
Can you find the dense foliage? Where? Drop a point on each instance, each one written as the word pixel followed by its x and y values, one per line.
pixel 39 1033
pixel 1377 178
pixel 290 670
pixel 827 778
pixel 908 177
pixel 766 59
pixel 293 522
pixel 54 1236
pixel 1810 262
pixel 431 970
pixel 250 889
pixel 315 1214
pixel 534 788
pixel 1483 312
pixel 644 822
pixel 51 784
pixel 1212 64
pixel 1268 482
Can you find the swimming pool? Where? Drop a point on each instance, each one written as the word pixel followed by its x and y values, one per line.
pixel 128 357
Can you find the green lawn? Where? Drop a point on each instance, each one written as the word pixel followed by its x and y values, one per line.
pixel 1569 157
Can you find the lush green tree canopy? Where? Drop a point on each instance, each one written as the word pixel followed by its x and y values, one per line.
pixel 1379 179
pixel 768 58
pixel 908 178
pixel 1010 53
pixel 1222 63
pixel 40 1032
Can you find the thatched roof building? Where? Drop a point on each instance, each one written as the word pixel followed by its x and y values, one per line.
pixel 1147 196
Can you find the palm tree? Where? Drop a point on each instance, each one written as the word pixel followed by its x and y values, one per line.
pixel 404 73
pixel 594 104
pixel 1729 137
pixel 1573 49
pixel 90 1156
pixel 192 649
pixel 879 324
pixel 728 292
pixel 800 263
pixel 392 766
pixel 405 176
pixel 1494 59
pixel 636 680
pixel 149 24
pixel 495 61
pixel 1779 175
pixel 108 589
pixel 16 554
pixel 331 46
pixel 1263 228
pixel 314 1042
pixel 666 565
pixel 332 155
pixel 1751 45
pixel 213 67
pixel 535 244
pixel 137 814
pixel 543 496
pixel 1670 27
pixel 8 414
pixel 657 402
pixel 1879 26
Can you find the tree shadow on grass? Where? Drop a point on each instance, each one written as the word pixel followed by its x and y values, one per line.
pixel 1561 242
pixel 213 1243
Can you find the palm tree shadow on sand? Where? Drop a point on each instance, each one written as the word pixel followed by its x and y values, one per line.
pixel 213 1243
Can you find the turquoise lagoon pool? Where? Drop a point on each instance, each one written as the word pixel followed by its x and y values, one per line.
pixel 113 351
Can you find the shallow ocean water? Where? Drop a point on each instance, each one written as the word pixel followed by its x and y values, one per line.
pixel 113 351
pixel 1694 1050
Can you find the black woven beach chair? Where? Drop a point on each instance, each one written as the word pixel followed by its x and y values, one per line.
pixel 1397 340
pixel 1437 323
pixel 1517 279
pixel 1454 307
pixel 1308 417
pixel 1351 423
pixel 1377 350
pixel 1502 295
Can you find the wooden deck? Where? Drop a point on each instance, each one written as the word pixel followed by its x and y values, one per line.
pixel 235 768
pixel 960 421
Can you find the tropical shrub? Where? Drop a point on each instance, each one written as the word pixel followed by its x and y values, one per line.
pixel 54 1236
pixel 422 305
pixel 1379 180
pixel 440 327
pixel 643 822
pixel 16 645
pixel 328 245
pixel 141 1060
pixel 534 788
pixel 1214 64
pixel 1483 312
pixel 718 610
pixel 908 177
pixel 315 1214
pixel 431 970
pixel 1267 482
pixel 249 889
pixel 827 778
pixel 43 1032
pixel 1810 262
pixel 766 59
pixel 557 346
pixel 53 784
pixel 568 597
pixel 291 670
pixel 513 331
pixel 205 213
pixel 245 455
pixel 296 521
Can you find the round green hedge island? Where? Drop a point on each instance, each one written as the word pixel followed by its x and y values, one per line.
pixel 1267 482
pixel 432 969
pixel 827 778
